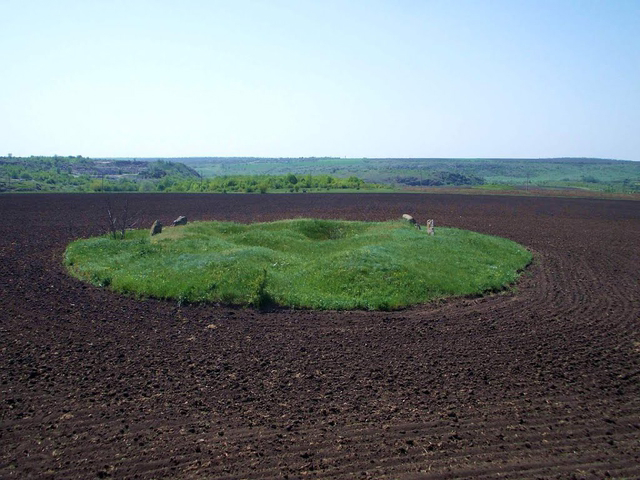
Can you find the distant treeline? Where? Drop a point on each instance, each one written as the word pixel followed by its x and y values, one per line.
pixel 438 179
pixel 583 173
pixel 255 174
pixel 78 174
pixel 271 183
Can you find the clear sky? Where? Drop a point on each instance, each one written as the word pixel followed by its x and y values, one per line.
pixel 395 78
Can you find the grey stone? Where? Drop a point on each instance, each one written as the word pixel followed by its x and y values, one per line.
pixel 411 220
pixel 156 228
pixel 181 220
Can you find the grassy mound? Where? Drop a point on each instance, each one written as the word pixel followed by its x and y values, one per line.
pixel 325 264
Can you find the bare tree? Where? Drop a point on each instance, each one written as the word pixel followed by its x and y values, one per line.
pixel 118 225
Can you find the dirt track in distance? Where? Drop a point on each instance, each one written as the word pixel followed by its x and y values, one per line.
pixel 542 382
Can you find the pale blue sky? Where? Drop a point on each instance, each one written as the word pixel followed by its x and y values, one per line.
pixel 320 78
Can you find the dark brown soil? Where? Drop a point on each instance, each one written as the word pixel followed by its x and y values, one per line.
pixel 537 383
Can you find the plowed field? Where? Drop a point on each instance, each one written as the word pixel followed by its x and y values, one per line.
pixel 540 382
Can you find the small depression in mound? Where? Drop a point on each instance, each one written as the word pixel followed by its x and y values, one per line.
pixel 301 263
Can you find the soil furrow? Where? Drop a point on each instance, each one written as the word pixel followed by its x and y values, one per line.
pixel 538 381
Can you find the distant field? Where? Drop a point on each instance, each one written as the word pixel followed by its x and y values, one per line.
pixel 586 173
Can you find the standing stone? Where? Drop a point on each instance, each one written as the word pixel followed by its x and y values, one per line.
pixel 430 227
pixel 156 228
pixel 411 220
pixel 181 220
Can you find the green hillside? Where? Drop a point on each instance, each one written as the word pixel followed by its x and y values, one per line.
pixel 254 174
pixel 587 173
pixel 79 174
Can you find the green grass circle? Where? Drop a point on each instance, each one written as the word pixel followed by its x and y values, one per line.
pixel 307 263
